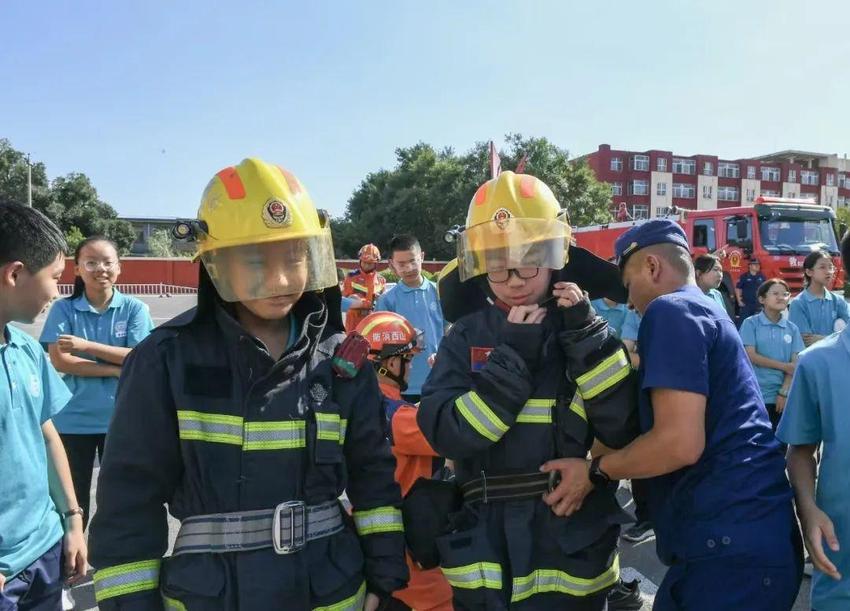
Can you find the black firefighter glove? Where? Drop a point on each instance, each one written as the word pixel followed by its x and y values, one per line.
pixel 525 339
pixel 573 306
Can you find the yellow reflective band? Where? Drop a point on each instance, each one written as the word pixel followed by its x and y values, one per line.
pixel 328 427
pixel 376 321
pixel 359 287
pixel 537 411
pixel 172 604
pixel 577 406
pixel 212 428
pixel 380 520
pixel 343 427
pixel 473 576
pixel 602 377
pixel 124 579
pixel 280 435
pixel 352 603
pixel 544 581
pixel 479 415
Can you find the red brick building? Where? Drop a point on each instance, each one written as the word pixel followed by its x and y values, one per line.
pixel 649 182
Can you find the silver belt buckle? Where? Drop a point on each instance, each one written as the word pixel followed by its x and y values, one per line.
pixel 296 511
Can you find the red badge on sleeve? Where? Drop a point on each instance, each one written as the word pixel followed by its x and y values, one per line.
pixel 478 357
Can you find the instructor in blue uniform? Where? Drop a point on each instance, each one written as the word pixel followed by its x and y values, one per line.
pixel 719 499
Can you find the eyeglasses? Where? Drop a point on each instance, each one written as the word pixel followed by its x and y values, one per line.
pixel 93 266
pixel 501 276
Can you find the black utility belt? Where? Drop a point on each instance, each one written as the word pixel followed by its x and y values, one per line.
pixel 513 487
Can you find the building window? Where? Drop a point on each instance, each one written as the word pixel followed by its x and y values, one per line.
pixel 616 188
pixel 842 201
pixel 728 194
pixel 809 177
pixel 770 174
pixel 640 187
pixel 830 201
pixel 769 193
pixel 640 212
pixel 751 195
pixel 684 191
pixel 663 210
pixel 751 172
pixel 706 191
pixel 728 170
pixel 616 164
pixel 661 189
pixel 792 175
pixel 684 166
pixel 708 169
pixel 640 163
pixel 661 164
pixel 843 182
pixel 791 194
pixel 704 234
pixel 830 180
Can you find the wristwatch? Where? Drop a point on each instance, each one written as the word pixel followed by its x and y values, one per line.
pixel 76 511
pixel 597 476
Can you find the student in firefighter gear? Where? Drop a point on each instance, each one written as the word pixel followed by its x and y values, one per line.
pixel 532 375
pixel 365 285
pixel 393 342
pixel 237 415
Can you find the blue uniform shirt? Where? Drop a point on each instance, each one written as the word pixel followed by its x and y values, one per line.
pixel 421 307
pixel 718 297
pixel 775 340
pixel 815 315
pixel 31 393
pixel 631 326
pixel 125 323
pixel 749 286
pixel 615 315
pixel 730 500
pixel 816 412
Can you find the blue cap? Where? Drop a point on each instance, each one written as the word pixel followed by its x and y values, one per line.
pixel 656 231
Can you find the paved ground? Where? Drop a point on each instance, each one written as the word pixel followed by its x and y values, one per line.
pixel 638 560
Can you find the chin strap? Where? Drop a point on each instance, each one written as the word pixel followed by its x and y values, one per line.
pixel 398 379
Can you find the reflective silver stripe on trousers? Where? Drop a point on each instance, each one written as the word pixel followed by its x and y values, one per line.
pixel 249 530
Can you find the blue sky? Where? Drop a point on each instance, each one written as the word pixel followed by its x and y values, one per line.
pixel 151 98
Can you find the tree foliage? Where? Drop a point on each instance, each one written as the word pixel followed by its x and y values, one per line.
pixel 161 244
pixel 71 201
pixel 429 191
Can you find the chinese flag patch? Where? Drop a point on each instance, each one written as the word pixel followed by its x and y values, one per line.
pixel 478 357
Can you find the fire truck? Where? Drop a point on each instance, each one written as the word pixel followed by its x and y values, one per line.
pixel 779 232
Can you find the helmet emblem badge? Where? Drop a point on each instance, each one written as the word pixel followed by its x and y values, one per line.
pixel 276 214
pixel 501 217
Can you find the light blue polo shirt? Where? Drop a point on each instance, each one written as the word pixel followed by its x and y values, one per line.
pixel 815 315
pixel 421 307
pixel 631 326
pixel 717 296
pixel 773 340
pixel 615 315
pixel 124 323
pixel 817 412
pixel 32 393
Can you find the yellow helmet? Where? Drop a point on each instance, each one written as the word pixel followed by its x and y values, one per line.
pixel 259 234
pixel 514 220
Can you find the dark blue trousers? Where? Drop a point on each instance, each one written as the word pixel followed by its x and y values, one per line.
pixel 38 587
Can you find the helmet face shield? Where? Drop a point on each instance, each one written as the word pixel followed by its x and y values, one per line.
pixel 512 243
pixel 272 268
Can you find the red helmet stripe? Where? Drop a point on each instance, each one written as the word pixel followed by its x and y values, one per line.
pixel 527 185
pixel 481 194
pixel 232 183
pixel 294 185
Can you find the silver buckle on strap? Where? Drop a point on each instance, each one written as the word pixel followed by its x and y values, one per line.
pixel 295 537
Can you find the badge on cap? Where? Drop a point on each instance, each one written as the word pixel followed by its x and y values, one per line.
pixel 629 249
pixel 276 214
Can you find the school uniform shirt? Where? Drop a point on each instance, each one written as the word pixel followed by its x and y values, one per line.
pixel 816 412
pixel 716 296
pixel 125 322
pixel 421 306
pixel 614 315
pixel 31 393
pixel 631 326
pixel 774 340
pixel 817 315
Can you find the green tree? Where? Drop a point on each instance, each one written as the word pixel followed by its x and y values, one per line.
pixel 71 201
pixel 429 191
pixel 73 237
pixel 161 244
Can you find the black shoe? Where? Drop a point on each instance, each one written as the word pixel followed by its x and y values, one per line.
pixel 642 531
pixel 625 596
